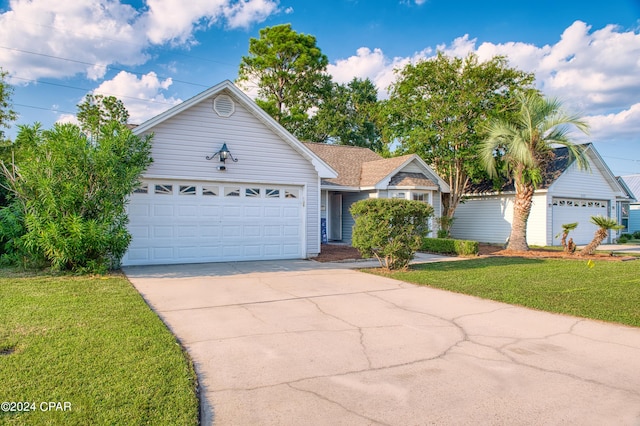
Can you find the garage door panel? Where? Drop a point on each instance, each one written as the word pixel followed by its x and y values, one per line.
pixel 272 250
pixel 210 211
pixel 272 211
pixel 162 231
pixel 214 222
pixel 253 212
pixel 251 231
pixel 162 210
pixel 187 231
pixel 187 211
pixel 290 212
pixel 210 231
pixel 231 212
pixel 163 253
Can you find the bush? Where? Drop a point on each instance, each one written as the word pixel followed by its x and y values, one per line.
pixel 72 192
pixel 450 246
pixel 392 230
pixel 636 235
pixel 623 238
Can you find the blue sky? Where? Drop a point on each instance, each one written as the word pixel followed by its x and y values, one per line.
pixel 156 53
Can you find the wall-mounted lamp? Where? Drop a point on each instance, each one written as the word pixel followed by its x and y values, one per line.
pixel 224 154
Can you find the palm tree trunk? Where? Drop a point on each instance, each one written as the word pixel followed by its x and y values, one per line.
pixel 598 238
pixel 521 211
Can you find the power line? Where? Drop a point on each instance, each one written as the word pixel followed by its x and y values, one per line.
pixel 45 109
pixel 107 67
pixel 92 90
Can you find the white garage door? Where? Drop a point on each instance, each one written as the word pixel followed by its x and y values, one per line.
pixel 186 222
pixel 566 210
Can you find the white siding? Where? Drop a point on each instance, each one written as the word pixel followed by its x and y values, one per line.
pixel 539 223
pixel 182 142
pixel 576 183
pixel 484 219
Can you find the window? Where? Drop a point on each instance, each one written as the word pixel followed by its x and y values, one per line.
pixel 398 195
pixel 142 189
pixel 252 192
pixel 232 192
pixel 420 196
pixel 272 193
pixel 187 190
pixel 291 193
pixel 211 191
pixel 164 189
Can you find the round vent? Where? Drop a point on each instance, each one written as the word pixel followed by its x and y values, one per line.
pixel 223 106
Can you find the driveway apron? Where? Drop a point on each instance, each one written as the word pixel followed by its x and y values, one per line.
pixel 303 343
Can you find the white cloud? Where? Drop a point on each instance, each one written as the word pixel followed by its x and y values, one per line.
pixel 46 39
pixel 621 126
pixel 177 20
pixel 142 96
pixel 40 32
pixel 593 72
pixel 372 64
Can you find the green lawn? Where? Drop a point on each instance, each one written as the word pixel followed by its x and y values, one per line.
pixel 94 346
pixel 608 291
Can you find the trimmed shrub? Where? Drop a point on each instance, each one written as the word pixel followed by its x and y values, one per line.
pixel 450 246
pixel 390 229
pixel 636 235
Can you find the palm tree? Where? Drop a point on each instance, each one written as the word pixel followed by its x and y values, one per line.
pixel 524 144
pixel 604 224
pixel 566 228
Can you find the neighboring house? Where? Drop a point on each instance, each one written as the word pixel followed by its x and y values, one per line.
pixel 632 216
pixel 192 207
pixel 364 174
pixel 567 194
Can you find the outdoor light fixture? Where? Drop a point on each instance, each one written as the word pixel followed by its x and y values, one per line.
pixel 223 155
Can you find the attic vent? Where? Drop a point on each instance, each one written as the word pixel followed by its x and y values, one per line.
pixel 223 105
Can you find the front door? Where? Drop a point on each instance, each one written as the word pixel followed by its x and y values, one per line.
pixel 335 217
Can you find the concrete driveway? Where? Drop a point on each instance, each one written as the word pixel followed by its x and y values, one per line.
pixel 303 343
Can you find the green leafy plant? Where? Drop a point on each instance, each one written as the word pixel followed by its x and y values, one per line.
pixel 450 246
pixel 604 225
pixel 72 191
pixel 391 230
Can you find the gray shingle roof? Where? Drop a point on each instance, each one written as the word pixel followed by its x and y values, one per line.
pixel 360 167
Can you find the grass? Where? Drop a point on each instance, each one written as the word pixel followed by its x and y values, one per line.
pixel 608 291
pixel 93 343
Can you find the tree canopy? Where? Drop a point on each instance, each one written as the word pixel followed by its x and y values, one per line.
pixel 437 107
pixel 97 110
pixel 348 116
pixel 7 114
pixel 288 69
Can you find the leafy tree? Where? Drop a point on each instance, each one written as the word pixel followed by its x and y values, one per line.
pixel 604 225
pixel 71 193
pixel 437 107
pixel 288 68
pixel 348 116
pixel 7 114
pixel 524 145
pixel 97 110
pixel 390 229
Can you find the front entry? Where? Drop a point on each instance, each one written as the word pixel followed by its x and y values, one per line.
pixel 335 217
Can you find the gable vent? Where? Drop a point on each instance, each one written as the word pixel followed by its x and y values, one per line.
pixel 224 106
